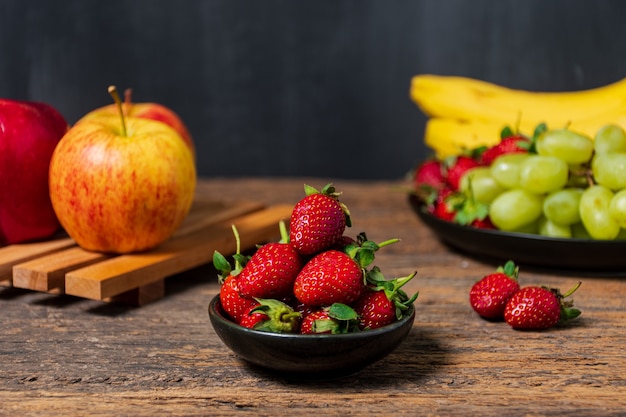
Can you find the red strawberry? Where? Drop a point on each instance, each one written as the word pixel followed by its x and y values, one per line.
pixel 441 208
pixel 272 316
pixel 462 208
pixel 383 302
pixel 488 297
pixel 338 318
pixel 484 223
pixel 511 144
pixel 538 308
pixel 429 180
pixel 250 318
pixel 317 322
pixel 270 272
pixel 329 277
pixel 456 167
pixel 318 220
pixel 232 302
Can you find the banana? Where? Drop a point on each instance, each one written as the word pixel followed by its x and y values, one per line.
pixel 474 100
pixel 446 136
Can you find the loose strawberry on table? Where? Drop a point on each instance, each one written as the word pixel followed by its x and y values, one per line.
pixel 539 308
pixel 488 296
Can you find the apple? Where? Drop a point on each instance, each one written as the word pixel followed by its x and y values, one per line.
pixel 29 133
pixel 153 111
pixel 121 184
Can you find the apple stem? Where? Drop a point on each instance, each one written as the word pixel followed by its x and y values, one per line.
pixel 116 98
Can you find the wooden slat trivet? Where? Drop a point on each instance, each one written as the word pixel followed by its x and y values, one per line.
pixel 60 266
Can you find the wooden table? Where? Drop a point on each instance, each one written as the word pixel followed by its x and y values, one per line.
pixel 64 355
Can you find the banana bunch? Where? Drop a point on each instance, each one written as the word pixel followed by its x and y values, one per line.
pixel 465 113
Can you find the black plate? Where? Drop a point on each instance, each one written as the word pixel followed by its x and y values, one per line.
pixel 522 248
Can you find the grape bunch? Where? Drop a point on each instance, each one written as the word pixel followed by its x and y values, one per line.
pixel 557 183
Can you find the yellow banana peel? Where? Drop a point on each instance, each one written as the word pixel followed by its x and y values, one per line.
pixel 470 100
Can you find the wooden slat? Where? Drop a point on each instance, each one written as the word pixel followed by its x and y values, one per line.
pixel 47 273
pixel 35 270
pixel 124 273
pixel 206 212
pixel 14 254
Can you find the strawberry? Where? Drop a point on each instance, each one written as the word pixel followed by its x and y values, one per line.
pixel 510 144
pixel 329 277
pixel 231 300
pixel 456 167
pixel 270 272
pixel 441 208
pixel 336 276
pixel 318 220
pixel 428 180
pixel 538 308
pixel 488 296
pixel 430 173
pixel 250 319
pixel 484 223
pixel 383 302
pixel 337 318
pixel 462 208
pixel 272 316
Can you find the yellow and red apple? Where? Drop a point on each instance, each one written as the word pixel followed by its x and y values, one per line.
pixel 29 133
pixel 148 110
pixel 121 184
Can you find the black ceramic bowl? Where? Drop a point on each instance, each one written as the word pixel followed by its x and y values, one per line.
pixel 296 356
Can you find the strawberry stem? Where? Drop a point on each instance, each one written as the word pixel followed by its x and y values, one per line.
pixel 572 290
pixel 116 98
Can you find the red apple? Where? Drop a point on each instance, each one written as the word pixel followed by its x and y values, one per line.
pixel 122 184
pixel 29 132
pixel 153 111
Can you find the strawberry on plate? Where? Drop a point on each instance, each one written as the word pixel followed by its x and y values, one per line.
pixel 488 296
pixel 456 167
pixel 538 308
pixel 510 144
pixel 318 220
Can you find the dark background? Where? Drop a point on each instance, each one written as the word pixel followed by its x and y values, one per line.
pixel 300 88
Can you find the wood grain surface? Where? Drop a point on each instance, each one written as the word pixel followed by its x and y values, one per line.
pixel 65 355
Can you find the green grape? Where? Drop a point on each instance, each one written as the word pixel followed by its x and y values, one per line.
pixel 550 229
pixel 609 169
pixel 561 206
pixel 572 147
pixel 609 139
pixel 514 209
pixel 505 169
pixel 543 174
pixel 595 214
pixel 621 235
pixel 483 186
pixel 617 208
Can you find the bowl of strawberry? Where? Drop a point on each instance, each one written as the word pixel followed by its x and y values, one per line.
pixel 312 305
